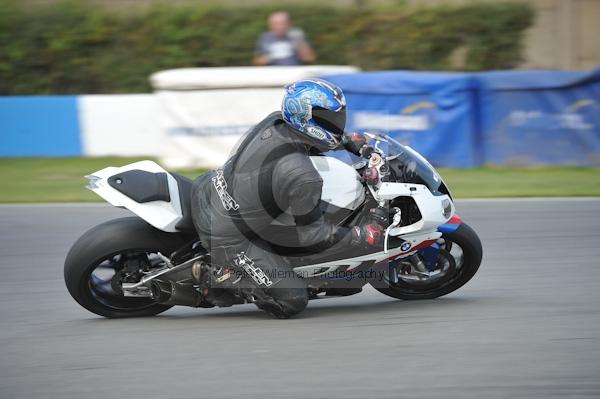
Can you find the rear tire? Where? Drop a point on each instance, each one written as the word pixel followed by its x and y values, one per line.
pixel 110 239
pixel 466 238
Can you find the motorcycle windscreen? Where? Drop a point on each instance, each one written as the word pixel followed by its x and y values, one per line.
pixel 412 167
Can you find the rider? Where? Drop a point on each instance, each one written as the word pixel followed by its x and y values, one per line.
pixel 270 172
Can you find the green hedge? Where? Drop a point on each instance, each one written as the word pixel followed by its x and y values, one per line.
pixel 73 48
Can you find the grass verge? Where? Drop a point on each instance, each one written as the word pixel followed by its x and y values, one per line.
pixel 31 180
pixel 490 182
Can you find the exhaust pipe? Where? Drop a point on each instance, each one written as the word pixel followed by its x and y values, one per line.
pixel 171 294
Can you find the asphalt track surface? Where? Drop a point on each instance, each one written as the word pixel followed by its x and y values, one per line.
pixel 527 326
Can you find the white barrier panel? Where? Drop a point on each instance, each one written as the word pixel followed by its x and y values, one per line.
pixel 240 77
pixel 120 125
pixel 201 127
pixel 204 111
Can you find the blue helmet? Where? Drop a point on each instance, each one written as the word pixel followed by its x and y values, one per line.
pixel 317 110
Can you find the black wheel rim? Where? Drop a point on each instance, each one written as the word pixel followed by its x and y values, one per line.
pixel 103 287
pixel 451 260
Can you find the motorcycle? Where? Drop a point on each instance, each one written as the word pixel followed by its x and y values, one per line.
pixel 145 264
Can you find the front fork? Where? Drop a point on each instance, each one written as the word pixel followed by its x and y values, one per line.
pixel 430 254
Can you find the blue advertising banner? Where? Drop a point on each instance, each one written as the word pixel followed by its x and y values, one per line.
pixel 540 117
pixel 433 112
pixel 39 126
pixel 454 119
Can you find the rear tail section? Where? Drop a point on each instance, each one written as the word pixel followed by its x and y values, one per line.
pixel 160 198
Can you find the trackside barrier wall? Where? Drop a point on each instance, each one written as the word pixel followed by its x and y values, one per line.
pixel 432 112
pixel 540 118
pixel 205 111
pixel 454 119
pixel 499 118
pixel 66 126
pixel 39 126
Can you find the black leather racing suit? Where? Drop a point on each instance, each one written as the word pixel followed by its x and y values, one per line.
pixel 269 173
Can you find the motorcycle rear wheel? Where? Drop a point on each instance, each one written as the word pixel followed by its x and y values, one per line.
pixel 467 240
pixel 101 249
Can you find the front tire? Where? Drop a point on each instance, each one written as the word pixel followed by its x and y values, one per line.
pixel 101 248
pixel 460 272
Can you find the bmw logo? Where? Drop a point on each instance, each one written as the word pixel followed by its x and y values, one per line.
pixel 405 246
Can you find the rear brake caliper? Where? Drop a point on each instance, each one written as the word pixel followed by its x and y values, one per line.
pixel 131 271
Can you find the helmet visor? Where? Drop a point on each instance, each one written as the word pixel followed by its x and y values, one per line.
pixel 332 121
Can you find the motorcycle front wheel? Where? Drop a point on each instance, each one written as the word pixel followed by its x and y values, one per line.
pixel 111 253
pixel 456 261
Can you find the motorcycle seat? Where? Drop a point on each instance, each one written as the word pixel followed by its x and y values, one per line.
pixel 185 197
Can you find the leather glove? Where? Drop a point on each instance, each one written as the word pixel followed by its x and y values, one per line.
pixel 354 142
pixel 367 235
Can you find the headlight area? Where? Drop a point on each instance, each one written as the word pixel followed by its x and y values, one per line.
pixel 447 208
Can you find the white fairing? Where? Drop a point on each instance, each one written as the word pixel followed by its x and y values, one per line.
pixel 160 214
pixel 342 187
pixel 430 206
pixel 341 183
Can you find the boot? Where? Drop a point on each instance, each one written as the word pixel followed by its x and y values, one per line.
pixel 219 285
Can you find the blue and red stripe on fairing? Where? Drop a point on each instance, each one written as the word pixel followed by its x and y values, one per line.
pixel 451 225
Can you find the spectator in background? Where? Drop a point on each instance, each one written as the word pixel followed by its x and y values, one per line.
pixel 282 44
